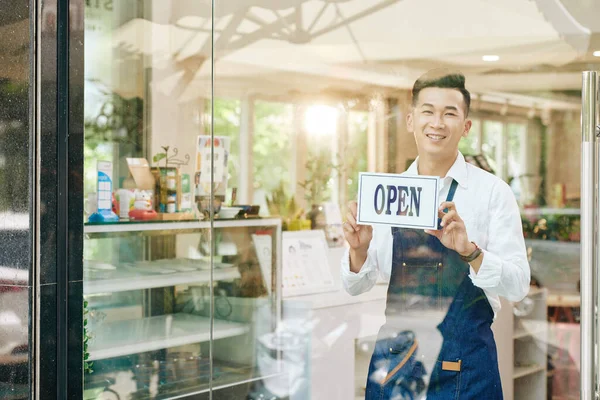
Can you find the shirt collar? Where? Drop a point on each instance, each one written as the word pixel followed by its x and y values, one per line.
pixel 458 171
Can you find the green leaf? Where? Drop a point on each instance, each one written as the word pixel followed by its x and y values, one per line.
pixel 159 157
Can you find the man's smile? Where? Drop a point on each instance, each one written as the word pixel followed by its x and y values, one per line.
pixel 435 137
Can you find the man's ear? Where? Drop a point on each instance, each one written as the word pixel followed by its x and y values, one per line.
pixel 409 122
pixel 468 125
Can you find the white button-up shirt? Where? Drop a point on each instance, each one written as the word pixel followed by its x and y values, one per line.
pixel 492 219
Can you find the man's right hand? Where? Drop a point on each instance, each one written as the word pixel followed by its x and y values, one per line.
pixel 358 237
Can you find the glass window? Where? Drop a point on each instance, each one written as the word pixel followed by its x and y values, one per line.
pixel 471 144
pixel 358 123
pixel 492 144
pixel 272 149
pixel 190 290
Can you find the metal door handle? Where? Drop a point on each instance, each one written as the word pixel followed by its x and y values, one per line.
pixel 589 226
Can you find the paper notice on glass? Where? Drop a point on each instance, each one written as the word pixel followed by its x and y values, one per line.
pixel 212 155
pixel 305 263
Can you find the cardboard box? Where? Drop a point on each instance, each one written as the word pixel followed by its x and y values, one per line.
pixel 139 171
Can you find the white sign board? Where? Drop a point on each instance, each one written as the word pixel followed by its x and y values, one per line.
pixel 305 263
pixel 263 245
pixel 407 201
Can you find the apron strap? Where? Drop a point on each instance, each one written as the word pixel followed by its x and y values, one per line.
pixel 450 197
pixel 451 192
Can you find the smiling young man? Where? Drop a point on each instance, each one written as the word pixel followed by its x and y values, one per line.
pixel 444 285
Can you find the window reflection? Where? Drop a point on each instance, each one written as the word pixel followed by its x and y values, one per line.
pixel 15 235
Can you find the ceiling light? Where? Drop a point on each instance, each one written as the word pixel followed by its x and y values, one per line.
pixel 596 53
pixel 490 57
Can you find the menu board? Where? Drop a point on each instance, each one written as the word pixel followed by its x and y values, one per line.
pixel 305 263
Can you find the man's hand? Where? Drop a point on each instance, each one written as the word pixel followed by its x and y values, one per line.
pixel 453 234
pixel 358 237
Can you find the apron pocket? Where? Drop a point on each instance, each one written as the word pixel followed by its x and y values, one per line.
pixel 445 381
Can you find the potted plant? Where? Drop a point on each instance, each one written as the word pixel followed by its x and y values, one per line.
pixel 319 170
pixel 283 205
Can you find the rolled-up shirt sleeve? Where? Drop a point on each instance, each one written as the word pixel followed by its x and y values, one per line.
pixel 365 279
pixel 505 269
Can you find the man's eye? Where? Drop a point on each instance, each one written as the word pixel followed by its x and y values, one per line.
pixel 427 112
pixel 451 114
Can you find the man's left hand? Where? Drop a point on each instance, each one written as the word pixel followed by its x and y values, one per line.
pixel 453 234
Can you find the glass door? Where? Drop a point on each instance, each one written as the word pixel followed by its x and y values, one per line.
pixel 322 90
pixel 223 147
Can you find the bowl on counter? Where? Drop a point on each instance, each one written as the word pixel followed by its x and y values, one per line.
pixel 229 212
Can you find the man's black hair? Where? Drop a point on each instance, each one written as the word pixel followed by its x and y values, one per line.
pixel 445 79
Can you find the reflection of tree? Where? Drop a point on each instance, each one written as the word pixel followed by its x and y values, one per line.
pixel 115 120
pixel 14 146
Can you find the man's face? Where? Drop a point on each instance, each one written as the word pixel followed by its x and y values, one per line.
pixel 438 121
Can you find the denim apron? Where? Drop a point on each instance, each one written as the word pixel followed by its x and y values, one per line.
pixel 430 285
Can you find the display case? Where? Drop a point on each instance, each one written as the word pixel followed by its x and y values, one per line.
pixel 178 309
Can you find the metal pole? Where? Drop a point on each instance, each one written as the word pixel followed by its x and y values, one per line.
pixel 589 225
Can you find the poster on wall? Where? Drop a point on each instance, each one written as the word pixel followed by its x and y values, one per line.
pixel 218 153
pixel 305 268
pixel 263 245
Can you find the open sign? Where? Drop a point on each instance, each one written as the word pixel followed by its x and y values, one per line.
pixel 398 200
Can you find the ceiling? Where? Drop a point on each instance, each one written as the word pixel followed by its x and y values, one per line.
pixel 277 47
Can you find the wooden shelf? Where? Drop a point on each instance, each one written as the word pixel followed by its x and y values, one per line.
pixel 534 291
pixel 534 212
pixel 531 327
pixel 520 372
pixel 123 338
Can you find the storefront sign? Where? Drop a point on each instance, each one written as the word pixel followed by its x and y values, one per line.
pixel 398 200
